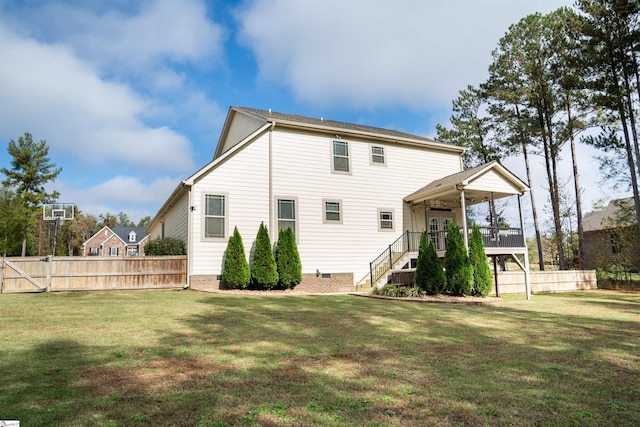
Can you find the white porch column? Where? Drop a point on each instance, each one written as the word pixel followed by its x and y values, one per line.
pixel 527 274
pixel 465 232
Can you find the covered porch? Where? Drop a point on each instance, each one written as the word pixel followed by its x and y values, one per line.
pixel 431 209
pixel 446 199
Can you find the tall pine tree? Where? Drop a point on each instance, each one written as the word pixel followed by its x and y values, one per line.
pixel 459 272
pixel 288 259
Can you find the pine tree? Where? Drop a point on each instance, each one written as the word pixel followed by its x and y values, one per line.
pixel 288 260
pixel 429 274
pixel 235 273
pixel 478 259
pixel 459 272
pixel 422 265
pixel 264 274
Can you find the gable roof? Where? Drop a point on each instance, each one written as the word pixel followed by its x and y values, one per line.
pixel 448 187
pixel 123 234
pixel 603 219
pixel 328 126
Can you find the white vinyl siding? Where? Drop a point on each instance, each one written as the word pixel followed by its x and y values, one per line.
pixel 244 177
pixel 301 168
pixel 215 215
pixel 241 127
pixel 340 159
pixel 332 211
pixel 377 155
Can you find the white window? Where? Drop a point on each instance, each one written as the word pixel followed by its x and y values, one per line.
pixel 385 220
pixel 93 251
pixel 214 216
pixel 113 251
pixel 377 155
pixel 332 211
pixel 341 161
pixel 132 251
pixel 132 236
pixel 287 215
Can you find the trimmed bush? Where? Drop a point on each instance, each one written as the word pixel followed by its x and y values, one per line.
pixel 167 246
pixel 459 272
pixel 235 272
pixel 288 263
pixel 429 275
pixel 481 271
pixel 264 274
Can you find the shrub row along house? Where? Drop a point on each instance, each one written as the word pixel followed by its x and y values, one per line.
pixel 356 197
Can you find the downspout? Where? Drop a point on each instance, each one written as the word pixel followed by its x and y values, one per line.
pixel 189 236
pixel 272 219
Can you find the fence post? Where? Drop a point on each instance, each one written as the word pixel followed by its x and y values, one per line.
pixel 48 260
pixel 371 273
pixel 390 258
pixel 2 276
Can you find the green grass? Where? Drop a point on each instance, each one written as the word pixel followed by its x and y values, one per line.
pixel 193 359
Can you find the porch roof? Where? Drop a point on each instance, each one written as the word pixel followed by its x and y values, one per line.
pixel 478 184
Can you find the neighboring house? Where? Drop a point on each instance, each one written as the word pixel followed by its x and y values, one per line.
pixel 606 243
pixel 357 198
pixel 119 241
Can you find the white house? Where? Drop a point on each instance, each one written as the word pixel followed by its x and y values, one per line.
pixel 357 197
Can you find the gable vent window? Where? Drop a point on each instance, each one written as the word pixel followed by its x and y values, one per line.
pixel 341 156
pixel 377 155
pixel 132 236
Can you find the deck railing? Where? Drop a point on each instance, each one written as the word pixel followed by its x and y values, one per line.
pixel 409 241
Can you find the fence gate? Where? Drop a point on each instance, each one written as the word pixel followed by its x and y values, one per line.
pixel 11 272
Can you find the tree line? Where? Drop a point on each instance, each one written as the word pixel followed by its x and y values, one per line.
pixel 23 231
pixel 565 78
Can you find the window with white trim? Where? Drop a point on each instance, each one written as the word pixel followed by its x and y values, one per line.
pixel 287 215
pixel 341 162
pixel 93 250
pixel 332 211
pixel 132 236
pixel 377 155
pixel 214 216
pixel 385 220
pixel 113 251
pixel 132 251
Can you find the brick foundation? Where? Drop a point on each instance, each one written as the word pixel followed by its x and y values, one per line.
pixel 311 283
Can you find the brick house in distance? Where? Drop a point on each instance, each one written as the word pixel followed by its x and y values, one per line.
pixel 119 241
pixel 607 244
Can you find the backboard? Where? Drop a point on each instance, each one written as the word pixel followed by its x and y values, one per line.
pixel 58 211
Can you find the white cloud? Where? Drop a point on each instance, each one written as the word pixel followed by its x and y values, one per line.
pixel 411 53
pixel 47 90
pixel 121 193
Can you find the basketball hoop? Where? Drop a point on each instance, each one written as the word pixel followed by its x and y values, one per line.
pixel 58 212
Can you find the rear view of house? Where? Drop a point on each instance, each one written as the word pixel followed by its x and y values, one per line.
pixel 343 188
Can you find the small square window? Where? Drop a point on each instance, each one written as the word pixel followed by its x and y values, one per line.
pixel 385 220
pixel 377 155
pixel 332 211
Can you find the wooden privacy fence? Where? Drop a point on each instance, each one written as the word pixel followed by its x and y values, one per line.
pixel 36 274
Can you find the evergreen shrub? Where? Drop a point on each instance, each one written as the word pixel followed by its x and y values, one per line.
pixel 264 274
pixel 459 272
pixel 482 282
pixel 288 263
pixel 235 271
pixel 166 246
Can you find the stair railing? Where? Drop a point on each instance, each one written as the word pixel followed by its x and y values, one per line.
pixel 407 242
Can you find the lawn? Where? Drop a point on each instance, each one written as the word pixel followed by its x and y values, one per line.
pixel 160 358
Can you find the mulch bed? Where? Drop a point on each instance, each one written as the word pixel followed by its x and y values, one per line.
pixel 440 299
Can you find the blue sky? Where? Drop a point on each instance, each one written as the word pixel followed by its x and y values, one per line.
pixel 131 95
